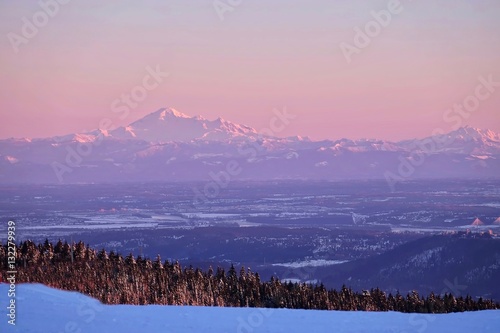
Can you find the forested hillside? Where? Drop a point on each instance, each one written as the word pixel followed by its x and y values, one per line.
pixel 114 279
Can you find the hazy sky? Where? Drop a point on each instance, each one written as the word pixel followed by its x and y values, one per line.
pixel 248 58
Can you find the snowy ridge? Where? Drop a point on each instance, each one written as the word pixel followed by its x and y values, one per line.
pixel 465 140
pixel 168 124
pixel 472 133
pixel 41 309
pixel 142 150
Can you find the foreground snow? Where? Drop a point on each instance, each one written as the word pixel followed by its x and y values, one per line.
pixel 43 309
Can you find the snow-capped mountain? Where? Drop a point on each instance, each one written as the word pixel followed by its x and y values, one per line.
pixel 169 145
pixel 171 125
pixel 465 140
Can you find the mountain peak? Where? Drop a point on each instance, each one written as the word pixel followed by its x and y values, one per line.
pixel 164 113
pixel 168 124
pixel 469 132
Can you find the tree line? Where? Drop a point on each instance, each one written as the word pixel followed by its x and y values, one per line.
pixel 114 279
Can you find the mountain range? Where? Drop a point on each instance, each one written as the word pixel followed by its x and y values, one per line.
pixel 168 145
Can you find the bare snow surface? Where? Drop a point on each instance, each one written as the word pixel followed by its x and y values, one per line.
pixel 43 309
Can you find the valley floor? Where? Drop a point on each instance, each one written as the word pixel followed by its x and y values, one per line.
pixel 43 309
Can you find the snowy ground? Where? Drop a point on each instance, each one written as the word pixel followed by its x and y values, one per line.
pixel 311 263
pixel 42 309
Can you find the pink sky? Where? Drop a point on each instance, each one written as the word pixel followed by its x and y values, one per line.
pixel 263 55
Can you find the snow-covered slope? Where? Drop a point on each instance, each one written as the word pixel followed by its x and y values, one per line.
pixel 42 309
pixel 168 124
pixel 465 140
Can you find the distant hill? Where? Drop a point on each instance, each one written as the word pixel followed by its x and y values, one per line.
pixel 459 264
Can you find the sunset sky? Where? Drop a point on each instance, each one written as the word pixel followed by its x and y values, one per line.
pixel 252 57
